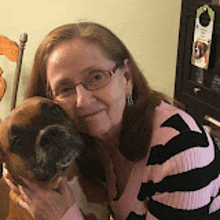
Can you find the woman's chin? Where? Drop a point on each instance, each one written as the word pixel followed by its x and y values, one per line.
pixel 98 132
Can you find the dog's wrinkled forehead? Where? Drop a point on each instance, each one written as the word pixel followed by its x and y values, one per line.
pixel 33 113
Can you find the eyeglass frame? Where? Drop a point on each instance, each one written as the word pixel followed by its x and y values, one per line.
pixel 49 92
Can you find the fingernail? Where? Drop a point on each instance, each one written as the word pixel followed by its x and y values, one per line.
pixel 20 189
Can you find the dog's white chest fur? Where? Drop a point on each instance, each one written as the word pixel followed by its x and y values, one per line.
pixel 100 210
pixel 200 62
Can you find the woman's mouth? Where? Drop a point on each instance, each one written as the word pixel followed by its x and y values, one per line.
pixel 90 115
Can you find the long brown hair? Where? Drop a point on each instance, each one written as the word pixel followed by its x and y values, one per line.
pixel 137 121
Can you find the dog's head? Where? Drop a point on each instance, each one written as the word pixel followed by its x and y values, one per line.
pixel 38 141
pixel 200 49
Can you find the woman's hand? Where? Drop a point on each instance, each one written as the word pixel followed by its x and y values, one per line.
pixel 44 205
pixel 8 179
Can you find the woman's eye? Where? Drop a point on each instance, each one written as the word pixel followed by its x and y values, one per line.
pixel 98 76
pixel 65 89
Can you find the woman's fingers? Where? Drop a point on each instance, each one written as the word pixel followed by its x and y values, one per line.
pixel 26 194
pixel 43 204
pixel 9 180
pixel 24 205
pixel 40 203
pixel 66 191
pixel 30 186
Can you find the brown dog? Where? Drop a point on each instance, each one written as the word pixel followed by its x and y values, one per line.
pixel 39 142
pixel 200 51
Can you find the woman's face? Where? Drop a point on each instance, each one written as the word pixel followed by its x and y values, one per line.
pixel 97 113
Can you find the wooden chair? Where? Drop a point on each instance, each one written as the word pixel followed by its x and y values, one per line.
pixel 14 53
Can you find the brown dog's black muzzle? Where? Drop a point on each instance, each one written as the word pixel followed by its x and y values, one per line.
pixel 56 147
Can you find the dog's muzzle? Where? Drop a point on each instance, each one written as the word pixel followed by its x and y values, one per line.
pixel 56 148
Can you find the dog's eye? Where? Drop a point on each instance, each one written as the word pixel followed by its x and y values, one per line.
pixel 14 137
pixel 51 107
pixel 15 140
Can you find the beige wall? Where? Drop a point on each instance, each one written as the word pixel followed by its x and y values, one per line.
pixel 148 28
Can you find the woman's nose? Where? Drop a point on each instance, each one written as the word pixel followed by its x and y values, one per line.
pixel 84 96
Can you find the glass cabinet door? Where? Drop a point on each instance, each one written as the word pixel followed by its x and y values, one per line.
pixel 198 88
pixel 209 77
pixel 200 82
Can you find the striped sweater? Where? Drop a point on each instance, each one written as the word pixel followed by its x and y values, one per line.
pixel 179 179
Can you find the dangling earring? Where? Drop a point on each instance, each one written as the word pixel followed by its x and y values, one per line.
pixel 130 100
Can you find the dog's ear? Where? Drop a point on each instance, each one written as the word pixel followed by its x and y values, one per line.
pixel 205 47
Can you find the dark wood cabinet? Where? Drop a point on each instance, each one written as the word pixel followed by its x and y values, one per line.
pixel 200 99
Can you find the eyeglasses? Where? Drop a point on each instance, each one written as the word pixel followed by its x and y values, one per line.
pixel 93 80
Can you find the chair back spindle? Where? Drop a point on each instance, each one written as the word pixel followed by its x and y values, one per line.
pixel 23 40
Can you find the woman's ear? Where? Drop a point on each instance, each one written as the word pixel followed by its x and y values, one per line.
pixel 128 77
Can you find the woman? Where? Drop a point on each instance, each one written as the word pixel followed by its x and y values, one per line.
pixel 159 163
